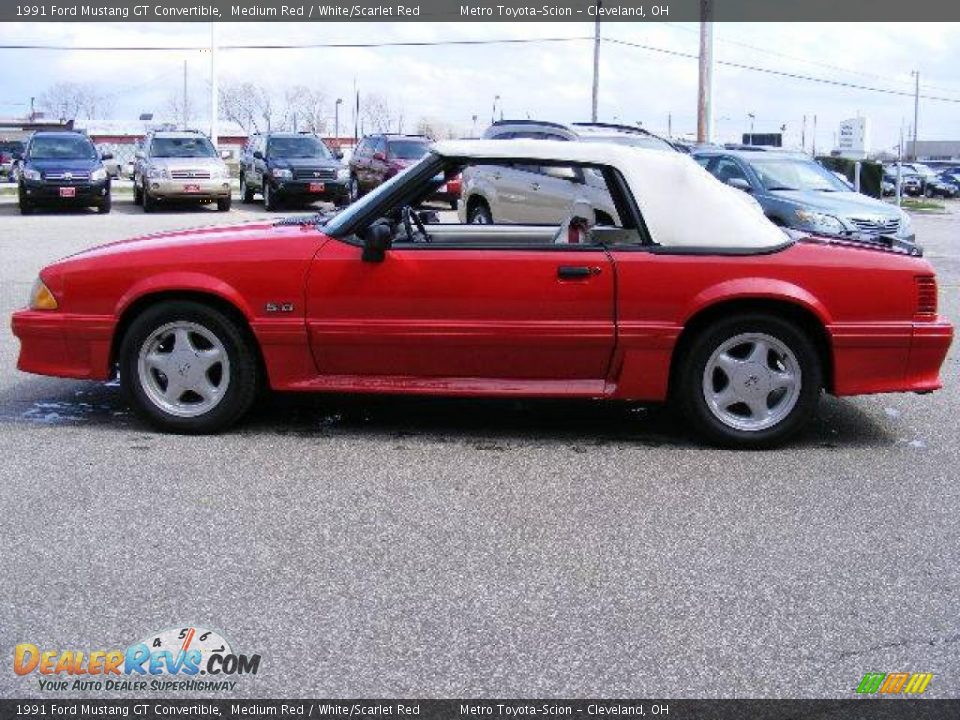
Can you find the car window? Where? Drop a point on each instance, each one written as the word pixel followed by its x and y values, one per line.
pixel 634 140
pixel 62 147
pixel 380 146
pixel 703 160
pixel 726 169
pixel 406 149
pixel 182 147
pixel 304 146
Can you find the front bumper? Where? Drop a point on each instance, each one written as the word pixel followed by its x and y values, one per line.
pixel 188 189
pixel 333 190
pixel 49 192
pixel 64 345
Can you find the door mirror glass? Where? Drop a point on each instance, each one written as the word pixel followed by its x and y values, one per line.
pixel 258 155
pixel 106 156
pixel 377 239
pixel 338 154
pixel 739 184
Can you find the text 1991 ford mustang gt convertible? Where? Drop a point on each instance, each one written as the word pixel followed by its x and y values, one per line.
pixel 688 294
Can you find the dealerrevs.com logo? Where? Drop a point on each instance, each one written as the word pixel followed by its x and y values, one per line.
pixel 188 658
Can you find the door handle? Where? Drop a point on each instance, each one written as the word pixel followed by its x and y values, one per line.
pixel 576 272
pixel 535 186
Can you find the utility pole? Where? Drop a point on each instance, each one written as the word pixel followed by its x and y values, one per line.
pixel 596 61
pixel 814 153
pixel 803 134
pixel 705 96
pixel 214 86
pixel 33 113
pixel 336 120
pixel 916 111
pixel 670 125
pixel 184 108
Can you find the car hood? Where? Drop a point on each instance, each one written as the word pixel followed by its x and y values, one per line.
pixel 63 165
pixel 851 204
pixel 181 245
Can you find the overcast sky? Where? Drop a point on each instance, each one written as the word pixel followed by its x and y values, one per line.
pixel 546 81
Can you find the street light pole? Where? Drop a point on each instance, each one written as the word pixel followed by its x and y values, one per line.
pixel 596 61
pixel 336 120
pixel 214 86
pixel 493 110
pixel 916 111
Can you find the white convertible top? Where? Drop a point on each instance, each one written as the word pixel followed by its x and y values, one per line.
pixel 682 204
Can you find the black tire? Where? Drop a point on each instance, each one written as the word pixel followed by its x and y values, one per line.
pixel 480 213
pixel 270 200
pixel 353 189
pixel 106 205
pixel 688 393
pixel 149 204
pixel 453 204
pixel 137 194
pixel 243 382
pixel 223 205
pixel 246 194
pixel 26 207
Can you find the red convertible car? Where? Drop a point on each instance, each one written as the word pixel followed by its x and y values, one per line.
pixel 688 295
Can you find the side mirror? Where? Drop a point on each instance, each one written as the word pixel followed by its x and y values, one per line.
pixel 380 156
pixel 561 173
pixel 338 154
pixel 739 184
pixel 225 154
pixel 106 156
pixel 258 155
pixel 377 239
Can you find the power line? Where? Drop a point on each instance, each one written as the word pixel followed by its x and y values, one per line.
pixel 293 46
pixel 783 73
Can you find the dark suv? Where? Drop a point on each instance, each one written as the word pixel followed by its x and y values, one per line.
pixel 291 167
pixel 63 168
pixel 379 157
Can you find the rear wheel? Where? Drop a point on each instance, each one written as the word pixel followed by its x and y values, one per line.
pixel 186 367
pixel 223 204
pixel 353 189
pixel 749 381
pixel 479 214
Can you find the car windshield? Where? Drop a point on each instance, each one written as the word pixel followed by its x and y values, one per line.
pixel 361 206
pixel 62 147
pixel 795 174
pixel 298 147
pixel 406 149
pixel 182 147
pixel 641 141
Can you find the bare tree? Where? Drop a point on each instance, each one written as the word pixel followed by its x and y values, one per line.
pixel 376 114
pixel 435 129
pixel 307 109
pixel 175 107
pixel 74 101
pixel 249 105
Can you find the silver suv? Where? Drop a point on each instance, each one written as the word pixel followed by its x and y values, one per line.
pixel 179 165
pixel 545 195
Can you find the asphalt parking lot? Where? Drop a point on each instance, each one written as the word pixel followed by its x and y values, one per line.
pixel 384 547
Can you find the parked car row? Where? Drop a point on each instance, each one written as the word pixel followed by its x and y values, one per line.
pixel 917 179
pixel 62 168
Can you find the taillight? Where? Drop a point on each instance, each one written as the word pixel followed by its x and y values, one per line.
pixel 926 297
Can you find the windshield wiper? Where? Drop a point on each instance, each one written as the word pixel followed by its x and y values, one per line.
pixel 781 187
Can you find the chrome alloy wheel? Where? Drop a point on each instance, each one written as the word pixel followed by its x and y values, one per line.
pixel 751 382
pixel 184 369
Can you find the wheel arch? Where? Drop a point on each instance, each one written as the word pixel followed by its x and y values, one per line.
pixel 134 306
pixel 788 308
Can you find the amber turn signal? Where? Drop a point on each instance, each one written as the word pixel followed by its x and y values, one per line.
pixel 41 298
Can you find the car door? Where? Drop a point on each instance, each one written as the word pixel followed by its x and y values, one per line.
pixel 524 319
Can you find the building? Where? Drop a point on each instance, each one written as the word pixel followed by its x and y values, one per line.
pixel 935 150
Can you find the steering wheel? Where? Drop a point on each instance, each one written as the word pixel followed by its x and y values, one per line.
pixel 409 215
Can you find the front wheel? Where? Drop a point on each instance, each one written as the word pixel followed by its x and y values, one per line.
pixel 188 368
pixel 246 193
pixel 749 381
pixel 479 214
pixel 353 189
pixel 105 206
pixel 270 201
pixel 223 204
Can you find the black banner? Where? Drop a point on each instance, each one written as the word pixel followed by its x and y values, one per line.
pixel 855 709
pixel 476 10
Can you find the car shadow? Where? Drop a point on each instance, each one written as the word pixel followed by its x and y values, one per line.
pixel 841 423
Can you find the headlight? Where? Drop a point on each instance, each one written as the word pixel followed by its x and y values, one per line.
pixel 282 173
pixel 98 175
pixel 343 173
pixel 156 172
pixel 820 221
pixel 31 174
pixel 41 298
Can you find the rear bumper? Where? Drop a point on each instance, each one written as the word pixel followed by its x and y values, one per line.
pixel 62 345
pixel 890 357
